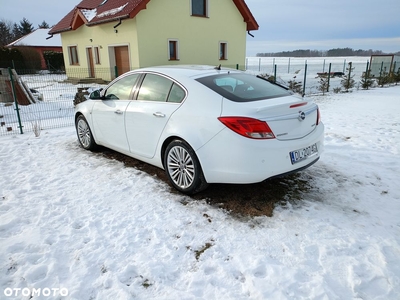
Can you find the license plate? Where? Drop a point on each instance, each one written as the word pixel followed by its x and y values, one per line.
pixel 301 154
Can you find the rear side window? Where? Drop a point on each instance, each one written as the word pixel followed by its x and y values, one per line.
pixel 243 87
pixel 177 94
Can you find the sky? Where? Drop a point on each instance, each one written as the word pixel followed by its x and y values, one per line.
pixel 285 25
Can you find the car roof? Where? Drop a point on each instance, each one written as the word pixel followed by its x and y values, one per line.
pixel 192 71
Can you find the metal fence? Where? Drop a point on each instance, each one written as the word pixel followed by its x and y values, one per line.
pixel 308 71
pixel 43 100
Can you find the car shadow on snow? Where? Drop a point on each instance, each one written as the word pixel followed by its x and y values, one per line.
pixel 241 200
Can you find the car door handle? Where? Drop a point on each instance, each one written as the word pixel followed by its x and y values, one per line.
pixel 119 112
pixel 158 115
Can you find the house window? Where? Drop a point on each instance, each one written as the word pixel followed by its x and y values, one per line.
pixel 96 56
pixel 199 8
pixel 73 55
pixel 223 51
pixel 173 50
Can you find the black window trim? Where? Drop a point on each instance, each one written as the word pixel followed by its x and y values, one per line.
pixel 140 81
pixel 205 14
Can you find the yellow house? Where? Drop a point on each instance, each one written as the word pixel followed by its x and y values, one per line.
pixel 121 35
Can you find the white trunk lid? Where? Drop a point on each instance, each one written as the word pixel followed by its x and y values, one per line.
pixel 288 117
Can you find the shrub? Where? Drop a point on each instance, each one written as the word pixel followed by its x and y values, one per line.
pixel 366 81
pixel 323 84
pixel 295 86
pixel 54 60
pixel 31 58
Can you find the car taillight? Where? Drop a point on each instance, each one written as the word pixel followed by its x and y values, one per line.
pixel 318 116
pixel 248 127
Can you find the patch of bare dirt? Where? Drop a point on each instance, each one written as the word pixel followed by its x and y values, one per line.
pixel 244 200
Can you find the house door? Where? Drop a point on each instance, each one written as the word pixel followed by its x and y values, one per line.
pixel 90 63
pixel 122 59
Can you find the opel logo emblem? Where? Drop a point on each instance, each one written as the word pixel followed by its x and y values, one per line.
pixel 302 115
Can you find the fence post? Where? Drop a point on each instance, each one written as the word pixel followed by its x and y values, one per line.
pixel 288 68
pixel 273 64
pixel 15 100
pixel 329 77
pixel 394 68
pixel 305 77
pixel 349 77
pixel 380 72
pixel 366 71
pixel 274 73
pixel 259 65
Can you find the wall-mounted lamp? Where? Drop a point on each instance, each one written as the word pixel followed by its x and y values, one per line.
pixel 91 40
pixel 116 30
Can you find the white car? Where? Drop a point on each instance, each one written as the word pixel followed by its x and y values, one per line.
pixel 203 125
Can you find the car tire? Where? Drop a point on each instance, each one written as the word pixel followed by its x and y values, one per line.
pixel 183 169
pixel 84 133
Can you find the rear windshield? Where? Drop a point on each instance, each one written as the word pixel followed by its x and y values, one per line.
pixel 243 87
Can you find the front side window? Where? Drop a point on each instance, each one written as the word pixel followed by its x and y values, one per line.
pixel 73 55
pixel 121 89
pixel 240 87
pixel 199 8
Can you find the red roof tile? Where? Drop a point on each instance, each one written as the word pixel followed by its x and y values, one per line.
pixel 93 12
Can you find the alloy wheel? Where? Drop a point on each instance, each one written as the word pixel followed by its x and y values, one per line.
pixel 84 134
pixel 181 167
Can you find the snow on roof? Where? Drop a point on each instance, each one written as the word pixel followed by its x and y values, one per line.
pixel 89 13
pixel 38 38
pixel 112 11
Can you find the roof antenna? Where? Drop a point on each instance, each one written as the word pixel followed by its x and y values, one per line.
pixel 218 67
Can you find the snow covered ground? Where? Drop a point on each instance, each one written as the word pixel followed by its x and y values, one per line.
pixel 73 222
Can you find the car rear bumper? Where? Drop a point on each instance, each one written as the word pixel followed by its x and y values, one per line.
pixel 231 158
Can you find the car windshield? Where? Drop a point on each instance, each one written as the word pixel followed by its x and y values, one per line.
pixel 241 87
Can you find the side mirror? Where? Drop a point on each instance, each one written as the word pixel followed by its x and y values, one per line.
pixel 95 94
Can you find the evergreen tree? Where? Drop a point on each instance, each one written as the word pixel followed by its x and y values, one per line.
pixel 16 32
pixel 396 76
pixel 348 81
pixel 366 81
pixel 384 78
pixel 295 86
pixel 323 84
pixel 44 25
pixel 6 35
pixel 25 27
